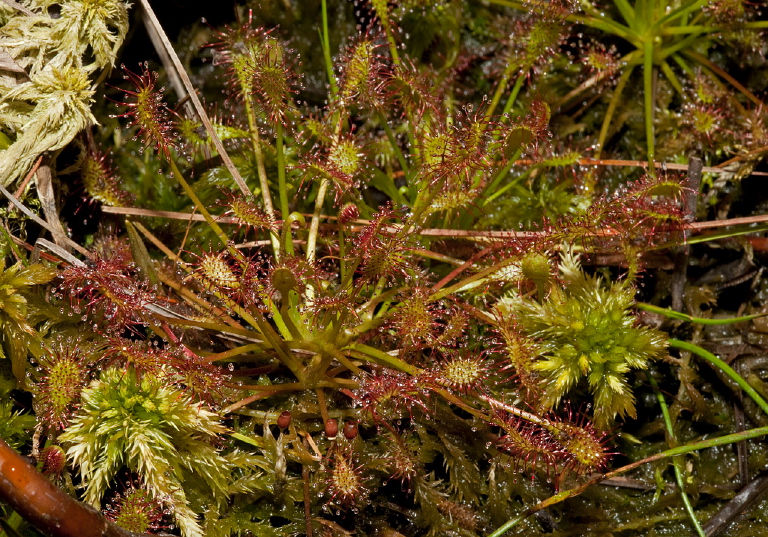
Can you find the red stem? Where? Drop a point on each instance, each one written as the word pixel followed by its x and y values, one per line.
pixel 176 341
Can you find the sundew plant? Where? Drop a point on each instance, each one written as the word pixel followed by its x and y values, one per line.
pixel 331 297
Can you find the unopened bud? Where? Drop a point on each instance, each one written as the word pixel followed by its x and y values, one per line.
pixel 284 420
pixel 350 429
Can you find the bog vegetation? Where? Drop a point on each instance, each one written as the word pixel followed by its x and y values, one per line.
pixel 386 268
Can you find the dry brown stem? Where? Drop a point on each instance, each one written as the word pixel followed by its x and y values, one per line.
pixel 47 507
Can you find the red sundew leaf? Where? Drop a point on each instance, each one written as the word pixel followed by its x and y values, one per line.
pixel 146 109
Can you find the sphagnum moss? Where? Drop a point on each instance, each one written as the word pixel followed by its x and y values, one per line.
pixel 153 430
pixel 47 110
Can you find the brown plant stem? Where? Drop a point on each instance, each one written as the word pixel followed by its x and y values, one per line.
pixel 747 498
pixel 458 270
pixel 47 507
pixel 28 177
pixel 427 232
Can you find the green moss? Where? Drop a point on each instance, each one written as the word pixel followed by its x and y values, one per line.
pixel 586 334
pixel 153 430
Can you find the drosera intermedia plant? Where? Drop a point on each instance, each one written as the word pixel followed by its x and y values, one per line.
pixel 135 510
pixel 386 354
pixel 63 369
pixel 302 354
pixel 342 323
pixel 670 40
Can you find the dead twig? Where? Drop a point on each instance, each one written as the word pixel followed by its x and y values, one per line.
pixel 431 232
pixel 32 216
pixel 744 501
pixel 45 506
pixel 48 203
